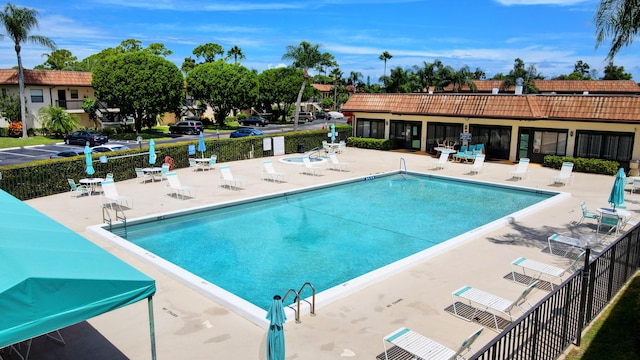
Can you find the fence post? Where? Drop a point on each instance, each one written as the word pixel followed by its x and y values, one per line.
pixel 583 294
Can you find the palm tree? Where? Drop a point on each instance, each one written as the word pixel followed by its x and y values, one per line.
pixel 236 53
pixel 527 75
pixel 18 23
pixel 305 56
pixel 427 73
pixel 355 79
pixel 462 78
pixel 618 20
pixel 384 57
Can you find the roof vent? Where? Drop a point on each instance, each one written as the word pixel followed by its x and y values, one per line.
pixel 519 83
pixel 585 93
pixel 494 91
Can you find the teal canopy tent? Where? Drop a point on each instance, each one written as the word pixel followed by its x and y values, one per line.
pixel 52 277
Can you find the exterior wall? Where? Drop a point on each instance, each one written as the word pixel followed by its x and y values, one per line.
pixel 50 97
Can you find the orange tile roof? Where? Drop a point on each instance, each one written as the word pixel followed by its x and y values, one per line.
pixel 607 108
pixel 564 86
pixel 323 87
pixel 46 77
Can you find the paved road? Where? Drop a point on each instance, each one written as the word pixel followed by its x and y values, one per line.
pixel 21 155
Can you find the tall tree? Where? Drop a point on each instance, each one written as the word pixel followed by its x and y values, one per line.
pixel 613 72
pixel 280 86
pixel 208 52
pixel 527 74
pixel 140 84
pixel 61 59
pixel 618 20
pixel 427 73
pixel 223 86
pixel 462 78
pixel 355 79
pixel 384 57
pixel 304 56
pixel 236 53
pixel 18 23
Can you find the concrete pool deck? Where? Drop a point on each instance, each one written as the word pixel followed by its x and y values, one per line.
pixel 189 325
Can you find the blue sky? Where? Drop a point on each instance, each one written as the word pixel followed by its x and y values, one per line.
pixel 489 34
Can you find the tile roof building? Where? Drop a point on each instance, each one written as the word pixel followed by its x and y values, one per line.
pixel 43 88
pixel 510 126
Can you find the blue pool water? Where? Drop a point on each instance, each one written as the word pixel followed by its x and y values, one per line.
pixel 326 236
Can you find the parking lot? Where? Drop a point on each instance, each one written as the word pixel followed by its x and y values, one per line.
pixel 26 154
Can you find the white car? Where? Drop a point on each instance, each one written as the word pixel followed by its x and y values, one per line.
pixel 109 147
pixel 334 115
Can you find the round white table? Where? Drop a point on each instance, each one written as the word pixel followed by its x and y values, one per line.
pixel 153 172
pixel 91 183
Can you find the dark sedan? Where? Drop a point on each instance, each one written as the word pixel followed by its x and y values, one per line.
pixel 255 120
pixel 81 137
pixel 242 132
pixel 67 153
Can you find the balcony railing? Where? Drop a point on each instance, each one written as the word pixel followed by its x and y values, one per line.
pixel 70 104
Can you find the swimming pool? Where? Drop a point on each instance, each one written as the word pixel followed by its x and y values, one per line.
pixel 329 235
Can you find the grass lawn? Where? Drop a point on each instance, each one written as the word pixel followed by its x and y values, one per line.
pixel 615 334
pixel 9 142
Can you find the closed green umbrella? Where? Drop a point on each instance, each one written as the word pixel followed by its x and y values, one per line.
pixel 87 153
pixel 617 191
pixel 152 152
pixel 275 337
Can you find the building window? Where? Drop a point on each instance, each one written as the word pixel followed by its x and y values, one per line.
pixel 37 96
pixel 4 92
pixel 373 129
pixel 604 145
pixel 550 142
pixel 74 94
pixel 437 133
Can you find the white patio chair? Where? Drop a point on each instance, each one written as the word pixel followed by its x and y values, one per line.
pixel 477 165
pixel 425 348
pixel 77 190
pixel 142 176
pixel 309 168
pixel 521 170
pixel 442 161
pixel 337 164
pixel 565 177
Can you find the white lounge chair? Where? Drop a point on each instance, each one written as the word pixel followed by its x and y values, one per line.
pixel 521 170
pixel 477 165
pixel 336 164
pixel 227 178
pixel 425 348
pixel 269 173
pixel 175 187
pixel 484 301
pixel 442 161
pixel 309 168
pixel 540 269
pixel 76 189
pixel 110 195
pixel 565 177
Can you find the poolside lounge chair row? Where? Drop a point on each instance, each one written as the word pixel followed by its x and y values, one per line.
pixel 468 153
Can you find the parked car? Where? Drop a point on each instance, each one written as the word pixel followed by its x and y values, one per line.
pixel 81 137
pixel 242 132
pixel 67 153
pixel 109 147
pixel 255 120
pixel 334 115
pixel 304 116
pixel 320 115
pixel 187 127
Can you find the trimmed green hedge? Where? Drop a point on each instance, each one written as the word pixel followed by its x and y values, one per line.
pixel 595 166
pixel 49 177
pixel 365 143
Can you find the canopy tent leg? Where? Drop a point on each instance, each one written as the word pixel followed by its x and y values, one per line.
pixel 152 331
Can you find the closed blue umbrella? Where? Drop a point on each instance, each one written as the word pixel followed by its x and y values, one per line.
pixel 87 153
pixel 201 146
pixel 152 152
pixel 617 191
pixel 333 132
pixel 275 337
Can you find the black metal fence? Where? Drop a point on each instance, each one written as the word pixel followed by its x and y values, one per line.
pixel 556 322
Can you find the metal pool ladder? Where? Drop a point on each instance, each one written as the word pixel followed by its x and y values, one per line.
pixel 297 300
pixel 403 164
pixel 106 218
